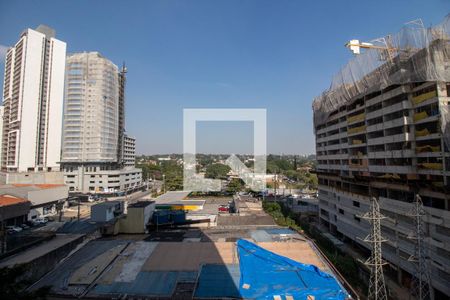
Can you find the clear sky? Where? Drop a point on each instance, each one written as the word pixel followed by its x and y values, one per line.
pixel 276 55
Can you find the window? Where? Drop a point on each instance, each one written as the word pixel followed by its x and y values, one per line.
pixel 341 211
pixel 356 218
pixel 356 203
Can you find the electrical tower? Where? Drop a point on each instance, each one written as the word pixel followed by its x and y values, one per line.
pixel 377 287
pixel 421 277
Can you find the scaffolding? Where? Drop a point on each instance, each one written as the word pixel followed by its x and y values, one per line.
pixel 414 54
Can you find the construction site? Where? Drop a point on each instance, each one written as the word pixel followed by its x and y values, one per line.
pixel 382 141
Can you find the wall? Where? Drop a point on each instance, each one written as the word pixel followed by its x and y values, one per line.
pixel 32 178
pixel 55 105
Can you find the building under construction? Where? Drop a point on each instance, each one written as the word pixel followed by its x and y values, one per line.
pixel 383 130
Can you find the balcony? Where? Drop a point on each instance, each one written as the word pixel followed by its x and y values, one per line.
pixel 423 97
pixel 356 118
pixel 355 130
pixel 427 148
pixel 402 137
pixel 392 154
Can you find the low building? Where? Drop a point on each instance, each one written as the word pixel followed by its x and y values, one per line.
pixel 106 211
pixel 176 200
pixel 101 178
pixel 138 216
pixel 13 210
pixel 44 198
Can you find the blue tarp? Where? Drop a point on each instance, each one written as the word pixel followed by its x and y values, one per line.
pixel 265 274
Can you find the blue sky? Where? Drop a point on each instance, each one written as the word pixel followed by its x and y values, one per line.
pixel 276 55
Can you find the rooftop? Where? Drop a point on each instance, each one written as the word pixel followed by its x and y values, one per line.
pixel 108 203
pixel 22 190
pixel 161 267
pixel 6 200
pixel 172 196
pixel 141 204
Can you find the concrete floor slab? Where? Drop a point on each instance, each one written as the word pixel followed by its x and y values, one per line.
pixel 91 270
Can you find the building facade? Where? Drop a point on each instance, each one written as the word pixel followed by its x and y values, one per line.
pixel 93 141
pixel 390 140
pixel 129 151
pixel 2 112
pixel 91 116
pixel 33 93
pixel 44 199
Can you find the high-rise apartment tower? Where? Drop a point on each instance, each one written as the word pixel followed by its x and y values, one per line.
pixel 33 96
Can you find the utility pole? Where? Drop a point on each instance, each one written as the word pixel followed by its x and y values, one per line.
pixel 3 231
pixel 421 277
pixel 78 216
pixel 275 185
pixel 377 287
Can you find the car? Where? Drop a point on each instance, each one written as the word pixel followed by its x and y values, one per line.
pixel 14 228
pixel 224 208
pixel 24 226
pixel 41 220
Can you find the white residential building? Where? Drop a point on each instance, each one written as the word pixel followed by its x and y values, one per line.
pixel 2 112
pixel 93 139
pixel 33 92
pixel 129 151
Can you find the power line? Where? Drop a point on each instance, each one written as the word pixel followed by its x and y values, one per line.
pixel 377 286
pixel 421 277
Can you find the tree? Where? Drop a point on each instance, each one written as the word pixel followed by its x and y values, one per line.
pixel 217 171
pixel 235 185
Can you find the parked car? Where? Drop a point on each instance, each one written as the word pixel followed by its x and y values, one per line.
pixel 24 226
pixel 41 220
pixel 14 228
pixel 224 208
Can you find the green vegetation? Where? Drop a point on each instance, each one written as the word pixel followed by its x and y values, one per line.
pixel 281 215
pixel 217 171
pixel 172 171
pixel 12 286
pixel 295 168
pixel 235 185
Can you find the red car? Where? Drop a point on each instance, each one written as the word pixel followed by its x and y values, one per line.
pixel 224 208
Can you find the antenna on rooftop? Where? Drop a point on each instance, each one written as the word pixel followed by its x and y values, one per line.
pixel 377 287
pixel 421 277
